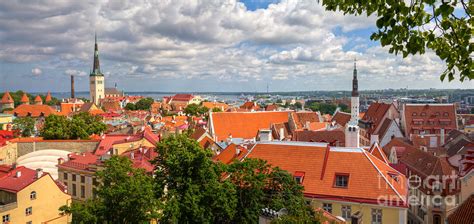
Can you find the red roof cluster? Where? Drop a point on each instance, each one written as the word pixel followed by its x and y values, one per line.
pixel 5 136
pixel 17 179
pixel 341 118
pixel 7 98
pixel 429 117
pixel 25 110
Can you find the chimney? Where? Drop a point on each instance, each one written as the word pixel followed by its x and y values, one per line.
pixel 72 87
pixel 307 125
pixel 18 174
pixel 237 150
pixel 60 161
pixel 282 134
pixel 132 155
pixel 39 173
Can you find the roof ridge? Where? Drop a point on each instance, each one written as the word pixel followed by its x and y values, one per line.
pixel 383 176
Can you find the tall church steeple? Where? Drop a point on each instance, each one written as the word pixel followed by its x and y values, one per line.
pixel 352 127
pixel 96 65
pixel 355 83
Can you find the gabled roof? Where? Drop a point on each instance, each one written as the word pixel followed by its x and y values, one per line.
pixel 401 145
pixel 212 105
pixel 230 153
pixel 7 98
pixel 250 106
pixel 303 117
pixel 91 108
pixel 464 213
pixel 279 126
pixel 182 97
pixel 111 106
pixel 80 161
pixel 332 137
pixel 25 110
pixel 341 118
pixel 427 113
pixel 375 114
pixel 461 145
pixel 271 107
pixel 427 164
pixel 38 99
pixel 321 164
pixel 243 124
pixel 11 182
pixel 378 152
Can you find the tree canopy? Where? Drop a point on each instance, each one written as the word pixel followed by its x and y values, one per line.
pixel 80 126
pixel 25 125
pixel 195 109
pixel 410 28
pixel 200 190
pixel 142 104
pixel 124 195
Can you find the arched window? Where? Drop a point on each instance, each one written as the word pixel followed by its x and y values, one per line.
pixel 33 195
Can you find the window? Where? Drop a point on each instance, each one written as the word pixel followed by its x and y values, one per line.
pixel 33 195
pixel 445 114
pixel 327 207
pixel 83 192
pixel 65 176
pixel 29 222
pixel 6 218
pixel 73 177
pixel 423 114
pixel 346 212
pixel 376 216
pixel 83 179
pixel 74 190
pixel 342 180
pixel 28 211
pixel 414 114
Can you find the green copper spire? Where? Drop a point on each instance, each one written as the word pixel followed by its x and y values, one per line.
pixel 96 66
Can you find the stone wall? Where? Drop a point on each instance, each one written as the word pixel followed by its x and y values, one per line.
pixel 71 146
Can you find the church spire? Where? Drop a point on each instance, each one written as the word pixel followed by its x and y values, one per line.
pixel 355 83
pixel 96 66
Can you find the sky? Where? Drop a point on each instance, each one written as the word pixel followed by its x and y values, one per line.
pixel 200 46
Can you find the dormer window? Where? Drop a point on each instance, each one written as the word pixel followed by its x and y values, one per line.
pixel 394 176
pixel 341 180
pixel 299 177
pixel 413 114
pixel 423 114
pixel 445 114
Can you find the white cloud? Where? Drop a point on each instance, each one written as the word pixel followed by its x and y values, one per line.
pixel 215 40
pixel 36 71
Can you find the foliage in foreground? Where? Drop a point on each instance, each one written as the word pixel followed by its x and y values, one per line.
pixel 25 126
pixel 411 28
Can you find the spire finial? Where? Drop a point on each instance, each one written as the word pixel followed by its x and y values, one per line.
pixel 95 34
pixel 355 62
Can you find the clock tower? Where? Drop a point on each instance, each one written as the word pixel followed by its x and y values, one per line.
pixel 96 78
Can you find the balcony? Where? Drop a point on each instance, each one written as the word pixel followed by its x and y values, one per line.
pixel 7 207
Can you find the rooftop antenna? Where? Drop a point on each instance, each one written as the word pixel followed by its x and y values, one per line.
pixel 267 88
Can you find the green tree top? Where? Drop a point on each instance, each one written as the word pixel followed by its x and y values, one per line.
pixel 410 28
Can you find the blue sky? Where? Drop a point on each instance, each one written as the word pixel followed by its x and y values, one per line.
pixel 223 45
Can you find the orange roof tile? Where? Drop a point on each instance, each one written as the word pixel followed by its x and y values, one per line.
pixel 38 99
pixel 244 124
pixel 7 98
pixel 341 118
pixel 32 110
pixel 25 99
pixel 429 116
pixel 369 178
pixel 231 153
pixel 212 105
pixel 48 97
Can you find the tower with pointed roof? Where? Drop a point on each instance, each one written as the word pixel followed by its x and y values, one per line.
pixel 352 127
pixel 96 78
pixel 25 99
pixel 7 101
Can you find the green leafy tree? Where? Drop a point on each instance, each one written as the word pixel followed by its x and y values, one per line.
pixel 92 123
pixel 56 127
pixel 411 28
pixel 195 109
pixel 344 108
pixel 124 195
pixel 25 125
pixel 144 104
pixel 324 108
pixel 260 185
pixel 188 181
pixel 216 109
pixel 130 106
pixel 298 105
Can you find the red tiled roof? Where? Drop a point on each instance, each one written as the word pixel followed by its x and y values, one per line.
pixel 427 164
pixel 182 97
pixel 141 158
pixel 432 112
pixel 80 161
pixel 401 146
pixel 38 99
pixel 341 118
pixel 250 106
pixel 11 183
pixel 25 110
pixel 375 114
pixel 231 153
pixel 332 137
pixel 464 213
pixel 302 118
pixel 244 124
pixel 212 105
pixel 25 99
pixel 48 97
pixel 5 136
pixel 271 107
pixel 321 164
pixel 7 98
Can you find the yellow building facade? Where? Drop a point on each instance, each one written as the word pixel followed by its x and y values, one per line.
pixel 38 202
pixel 367 211
pixel 5 119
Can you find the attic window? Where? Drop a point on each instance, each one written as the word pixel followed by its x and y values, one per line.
pixel 423 114
pixel 394 176
pixel 299 177
pixel 414 114
pixel 341 180
pixel 445 114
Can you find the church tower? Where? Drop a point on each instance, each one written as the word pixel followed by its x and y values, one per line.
pixel 352 127
pixel 96 78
